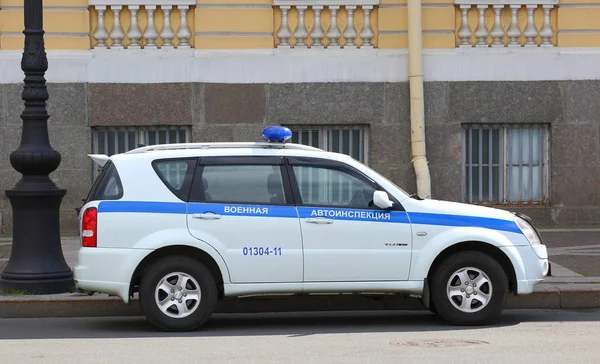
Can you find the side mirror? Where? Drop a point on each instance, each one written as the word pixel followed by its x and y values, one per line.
pixel 382 200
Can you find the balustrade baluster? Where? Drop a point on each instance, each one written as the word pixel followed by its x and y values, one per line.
pixel 366 32
pixel 184 34
pixel 167 34
pixel 497 30
pixel 530 30
pixel 333 33
pixel 301 33
pixel 514 32
pixel 317 33
pixel 101 35
pixel 481 32
pixel 350 32
pixel 134 34
pixel 116 34
pixel 150 33
pixel 464 32
pixel 284 33
pixel 546 31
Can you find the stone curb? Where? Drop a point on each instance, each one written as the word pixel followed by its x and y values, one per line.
pixel 546 296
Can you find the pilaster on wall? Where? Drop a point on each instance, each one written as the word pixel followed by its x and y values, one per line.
pixel 66 23
pixel 234 24
pixel 438 24
pixel 579 23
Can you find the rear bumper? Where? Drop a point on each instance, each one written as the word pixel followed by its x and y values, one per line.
pixel 107 270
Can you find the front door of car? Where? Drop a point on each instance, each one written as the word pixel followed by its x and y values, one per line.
pixel 243 207
pixel 346 237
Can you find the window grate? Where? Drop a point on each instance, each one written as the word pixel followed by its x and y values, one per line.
pixel 350 140
pixel 505 164
pixel 115 140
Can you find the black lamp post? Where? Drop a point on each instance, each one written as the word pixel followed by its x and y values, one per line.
pixel 36 264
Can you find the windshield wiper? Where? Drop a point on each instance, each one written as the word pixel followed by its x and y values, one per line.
pixel 415 196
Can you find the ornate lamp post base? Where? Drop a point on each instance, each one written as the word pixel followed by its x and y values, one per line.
pixel 36 264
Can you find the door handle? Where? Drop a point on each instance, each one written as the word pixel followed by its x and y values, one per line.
pixel 207 216
pixel 319 220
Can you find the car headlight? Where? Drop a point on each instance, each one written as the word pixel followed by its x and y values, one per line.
pixel 528 231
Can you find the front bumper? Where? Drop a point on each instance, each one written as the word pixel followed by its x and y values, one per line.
pixel 107 270
pixel 535 267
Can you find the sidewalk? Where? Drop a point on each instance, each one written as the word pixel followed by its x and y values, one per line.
pixel 575 283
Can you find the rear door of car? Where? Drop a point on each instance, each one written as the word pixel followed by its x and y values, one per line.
pixel 243 207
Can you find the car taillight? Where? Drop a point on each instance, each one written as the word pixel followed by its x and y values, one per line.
pixel 89 227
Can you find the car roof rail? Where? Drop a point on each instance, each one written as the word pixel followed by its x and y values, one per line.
pixel 232 145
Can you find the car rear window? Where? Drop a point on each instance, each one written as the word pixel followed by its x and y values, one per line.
pixel 107 186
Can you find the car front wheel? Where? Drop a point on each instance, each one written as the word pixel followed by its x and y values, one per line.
pixel 469 288
pixel 178 294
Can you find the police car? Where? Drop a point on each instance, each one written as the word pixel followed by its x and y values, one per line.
pixel 185 225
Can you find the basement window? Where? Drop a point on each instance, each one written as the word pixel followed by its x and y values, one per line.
pixel 115 140
pixel 505 164
pixel 350 140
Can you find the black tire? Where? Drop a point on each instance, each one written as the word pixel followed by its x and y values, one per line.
pixel 486 264
pixel 203 308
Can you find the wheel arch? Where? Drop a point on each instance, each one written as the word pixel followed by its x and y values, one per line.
pixel 185 250
pixel 483 247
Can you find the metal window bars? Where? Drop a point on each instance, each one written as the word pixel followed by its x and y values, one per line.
pixel 352 140
pixel 115 140
pixel 505 164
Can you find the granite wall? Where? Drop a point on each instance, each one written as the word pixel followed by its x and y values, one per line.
pixel 228 112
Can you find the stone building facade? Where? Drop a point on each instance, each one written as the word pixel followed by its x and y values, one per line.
pixel 533 109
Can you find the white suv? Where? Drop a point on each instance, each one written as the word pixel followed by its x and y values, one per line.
pixel 188 224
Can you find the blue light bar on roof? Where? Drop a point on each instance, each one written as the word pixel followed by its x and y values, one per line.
pixel 276 134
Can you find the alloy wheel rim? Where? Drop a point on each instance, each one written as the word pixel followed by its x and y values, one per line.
pixel 177 295
pixel 469 289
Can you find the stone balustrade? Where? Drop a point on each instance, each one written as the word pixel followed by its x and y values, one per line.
pixel 331 24
pixel 144 24
pixel 506 23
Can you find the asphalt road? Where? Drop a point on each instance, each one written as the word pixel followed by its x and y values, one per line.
pixel 393 337
pixel 575 250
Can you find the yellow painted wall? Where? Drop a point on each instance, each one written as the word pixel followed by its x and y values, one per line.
pixel 235 2
pixel 580 25
pixel 242 24
pixel 438 24
pixel 579 18
pixel 47 3
pixel 253 24
pixel 234 42
pixel 66 26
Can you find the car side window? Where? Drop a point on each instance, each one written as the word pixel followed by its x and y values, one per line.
pixel 322 186
pixel 176 174
pixel 107 186
pixel 246 183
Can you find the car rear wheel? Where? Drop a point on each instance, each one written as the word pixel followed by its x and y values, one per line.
pixel 178 294
pixel 469 288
